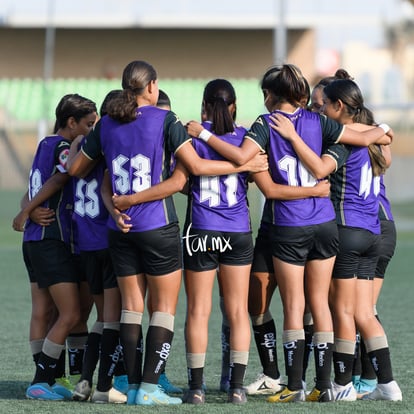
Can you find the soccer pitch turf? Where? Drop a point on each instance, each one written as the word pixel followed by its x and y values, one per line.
pixel 395 310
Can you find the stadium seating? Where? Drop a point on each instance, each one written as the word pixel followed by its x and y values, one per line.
pixel 30 100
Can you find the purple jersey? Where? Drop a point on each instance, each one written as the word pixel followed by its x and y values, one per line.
pixel 385 212
pixel 286 167
pixel 50 158
pixel 138 156
pixel 219 202
pixel 89 212
pixel 352 189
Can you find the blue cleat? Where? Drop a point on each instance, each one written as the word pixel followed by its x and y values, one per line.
pixel 121 383
pixel 132 394
pixel 42 391
pixel 156 397
pixel 166 385
pixel 63 391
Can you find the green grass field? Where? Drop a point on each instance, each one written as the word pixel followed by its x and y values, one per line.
pixel 16 367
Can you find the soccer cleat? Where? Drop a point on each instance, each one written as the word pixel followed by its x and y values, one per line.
pixel 264 385
pixel 286 395
pixel 61 390
pixel 166 385
pixel 237 396
pixel 65 382
pixel 364 386
pixel 42 391
pixel 224 384
pixel 82 391
pixel 121 383
pixel 157 397
pixel 344 392
pixel 132 394
pixel 323 395
pixel 388 392
pixel 194 397
pixel 108 397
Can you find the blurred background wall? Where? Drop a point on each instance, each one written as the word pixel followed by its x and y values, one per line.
pixel 53 47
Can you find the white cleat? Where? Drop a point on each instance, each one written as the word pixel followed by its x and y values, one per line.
pixel 344 392
pixel 264 385
pixel 388 392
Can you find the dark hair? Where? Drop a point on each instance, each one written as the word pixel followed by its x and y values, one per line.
pixel 72 105
pixel 111 95
pixel 286 84
pixel 163 99
pixel 218 95
pixel 339 74
pixel 349 93
pixel 136 76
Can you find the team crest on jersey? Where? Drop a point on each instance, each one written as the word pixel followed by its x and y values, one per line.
pixel 63 157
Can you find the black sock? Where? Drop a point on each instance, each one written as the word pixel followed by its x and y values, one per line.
pixel 225 350
pixel 237 373
pixel 308 348
pixel 45 369
pixel 381 361
pixel 323 365
pixel 343 364
pixel 157 350
pixel 60 370
pixel 356 368
pixel 265 339
pixel 110 355
pixel 293 353
pixel 195 378
pixel 91 356
pixel 77 353
pixel 367 370
pixel 131 341
pixel 120 366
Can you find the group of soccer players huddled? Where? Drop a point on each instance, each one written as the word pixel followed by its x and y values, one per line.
pixel 100 229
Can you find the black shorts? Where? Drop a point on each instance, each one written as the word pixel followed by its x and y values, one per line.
pixel 99 271
pixel 387 247
pixel 358 253
pixel 207 249
pixel 297 245
pixel 80 270
pixel 49 262
pixel 262 254
pixel 154 252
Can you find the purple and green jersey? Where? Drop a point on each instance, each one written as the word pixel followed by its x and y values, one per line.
pixel 287 169
pixel 138 155
pixel 219 202
pixel 353 189
pixel 50 158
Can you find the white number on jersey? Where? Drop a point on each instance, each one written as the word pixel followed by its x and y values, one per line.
pixel 87 202
pixel 288 164
pixel 210 189
pixel 142 174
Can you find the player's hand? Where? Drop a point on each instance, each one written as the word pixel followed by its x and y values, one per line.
pixel 258 163
pixel 121 202
pixel 283 125
pixel 42 216
pixel 120 220
pixel 19 221
pixel 322 188
pixel 193 128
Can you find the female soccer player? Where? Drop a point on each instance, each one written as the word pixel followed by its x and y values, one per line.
pixel 47 249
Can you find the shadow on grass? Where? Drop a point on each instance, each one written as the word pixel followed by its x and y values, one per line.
pixel 13 390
